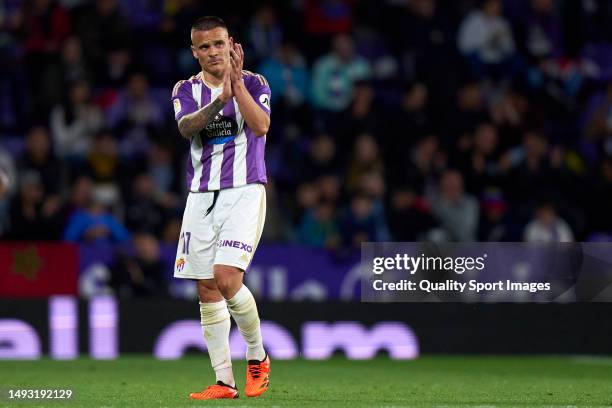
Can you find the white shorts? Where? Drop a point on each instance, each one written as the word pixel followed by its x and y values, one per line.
pixel 227 235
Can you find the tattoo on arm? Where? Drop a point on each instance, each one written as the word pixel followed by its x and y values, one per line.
pixel 190 125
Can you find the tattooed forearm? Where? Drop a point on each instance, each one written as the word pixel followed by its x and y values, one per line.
pixel 190 125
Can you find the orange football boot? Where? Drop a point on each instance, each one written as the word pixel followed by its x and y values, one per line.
pixel 217 391
pixel 258 377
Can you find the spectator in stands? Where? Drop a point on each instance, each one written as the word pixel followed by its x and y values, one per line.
pixel 107 39
pixel 307 196
pixel 529 169
pixel 4 189
pixel 45 25
pixel 135 116
pixel 328 16
pixel 161 168
pixel 547 226
pixel 265 34
pixel 599 122
pixel 80 195
pixel 479 166
pixel 508 112
pixel 419 168
pixel 106 168
pixel 39 158
pixel 358 223
pixel 539 34
pixel 8 185
pixel 142 273
pixel 493 224
pixel 329 187
pixel 75 122
pixel 485 38
pixel 63 74
pixel 365 159
pixel 30 217
pixel 424 36
pixel 72 65
pixel 414 116
pixel 321 159
pixel 95 224
pixel 175 27
pixel 288 76
pixel 144 211
pixel 373 185
pixel 319 228
pixel 469 111
pixel 361 116
pixel 409 216
pixel 456 211
pixel 334 75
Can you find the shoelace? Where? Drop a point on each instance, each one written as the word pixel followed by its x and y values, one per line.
pixel 255 370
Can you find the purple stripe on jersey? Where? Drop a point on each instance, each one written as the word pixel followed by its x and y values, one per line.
pixel 256 168
pixel 206 161
pixel 207 149
pixel 227 165
pixel 229 109
pixel 261 163
pixel 189 167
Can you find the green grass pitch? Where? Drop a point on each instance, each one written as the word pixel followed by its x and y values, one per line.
pixel 430 381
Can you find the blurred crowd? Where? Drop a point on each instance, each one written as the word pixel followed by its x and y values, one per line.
pixel 394 120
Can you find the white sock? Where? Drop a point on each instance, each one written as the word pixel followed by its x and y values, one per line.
pixel 216 324
pixel 244 311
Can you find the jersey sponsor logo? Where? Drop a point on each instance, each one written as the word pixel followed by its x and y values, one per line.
pixel 221 130
pixel 235 244
pixel 177 106
pixel 264 99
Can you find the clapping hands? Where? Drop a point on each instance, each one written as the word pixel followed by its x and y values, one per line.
pixel 236 62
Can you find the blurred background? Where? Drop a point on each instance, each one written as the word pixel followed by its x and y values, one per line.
pixel 394 120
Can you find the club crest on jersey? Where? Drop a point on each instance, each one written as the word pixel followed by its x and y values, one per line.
pixel 177 106
pixel 221 130
pixel 180 264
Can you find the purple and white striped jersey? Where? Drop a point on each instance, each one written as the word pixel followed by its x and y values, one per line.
pixel 226 153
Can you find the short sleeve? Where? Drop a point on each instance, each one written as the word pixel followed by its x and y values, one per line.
pixel 260 91
pixel 182 100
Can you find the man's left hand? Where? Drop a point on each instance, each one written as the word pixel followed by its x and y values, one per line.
pixel 236 61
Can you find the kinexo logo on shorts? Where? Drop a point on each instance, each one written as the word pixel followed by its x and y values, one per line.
pixel 180 264
pixel 235 244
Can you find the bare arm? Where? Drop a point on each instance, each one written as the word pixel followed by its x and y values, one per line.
pixel 255 117
pixel 191 124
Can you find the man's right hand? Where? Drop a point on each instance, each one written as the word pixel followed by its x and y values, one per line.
pixel 227 93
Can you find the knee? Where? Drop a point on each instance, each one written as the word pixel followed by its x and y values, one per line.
pixel 228 280
pixel 208 291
